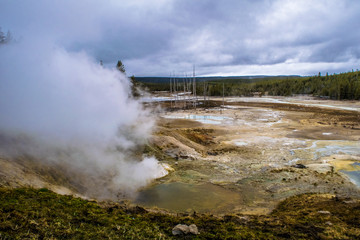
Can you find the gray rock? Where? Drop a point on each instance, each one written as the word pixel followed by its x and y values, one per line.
pixel 324 212
pixel 299 165
pixel 193 229
pixel 180 229
pixel 183 229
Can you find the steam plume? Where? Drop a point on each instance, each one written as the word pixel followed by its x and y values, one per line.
pixel 65 110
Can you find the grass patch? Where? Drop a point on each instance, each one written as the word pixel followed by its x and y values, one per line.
pixel 27 213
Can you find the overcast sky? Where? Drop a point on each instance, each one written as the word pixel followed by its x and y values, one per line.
pixel 221 37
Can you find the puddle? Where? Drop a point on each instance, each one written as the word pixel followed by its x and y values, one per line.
pixel 301 102
pixel 332 107
pixel 240 143
pixel 325 148
pixel 155 99
pixel 205 119
pixel 354 176
pixel 235 107
pixel 181 197
pixel 172 97
pixel 254 99
pixel 350 168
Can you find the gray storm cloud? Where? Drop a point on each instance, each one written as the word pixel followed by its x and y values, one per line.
pixel 153 38
pixel 65 110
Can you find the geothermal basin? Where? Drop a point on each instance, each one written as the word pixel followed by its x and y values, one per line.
pixel 250 153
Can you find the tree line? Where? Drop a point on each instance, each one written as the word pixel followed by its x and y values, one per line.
pixel 336 86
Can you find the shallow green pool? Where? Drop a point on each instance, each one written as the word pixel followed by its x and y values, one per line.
pixel 182 197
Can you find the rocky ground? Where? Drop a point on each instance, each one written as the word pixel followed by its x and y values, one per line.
pixel 244 157
pixel 255 152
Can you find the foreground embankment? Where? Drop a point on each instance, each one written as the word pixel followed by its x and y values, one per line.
pixel 26 213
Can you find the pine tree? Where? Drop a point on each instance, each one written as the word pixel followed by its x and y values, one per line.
pixel 2 37
pixel 120 66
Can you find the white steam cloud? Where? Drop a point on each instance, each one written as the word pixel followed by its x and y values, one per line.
pixel 65 110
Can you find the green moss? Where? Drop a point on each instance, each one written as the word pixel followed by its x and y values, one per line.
pixel 199 135
pixel 27 213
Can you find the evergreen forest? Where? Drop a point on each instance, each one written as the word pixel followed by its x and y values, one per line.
pixel 336 86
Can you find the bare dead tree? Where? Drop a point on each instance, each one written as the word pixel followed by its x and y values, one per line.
pixel 170 91
pixel 194 87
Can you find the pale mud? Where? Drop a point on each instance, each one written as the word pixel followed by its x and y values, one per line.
pixel 307 101
pixel 251 150
pixel 27 172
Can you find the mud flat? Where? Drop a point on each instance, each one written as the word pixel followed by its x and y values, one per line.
pixel 252 153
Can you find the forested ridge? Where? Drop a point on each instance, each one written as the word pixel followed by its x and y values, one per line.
pixel 336 86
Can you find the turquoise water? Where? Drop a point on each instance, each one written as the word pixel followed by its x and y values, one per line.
pixel 353 175
pixel 339 147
